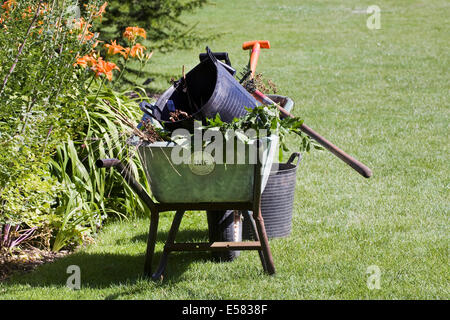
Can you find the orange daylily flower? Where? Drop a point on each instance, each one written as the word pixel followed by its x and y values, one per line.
pixel 87 36
pixel 86 61
pixel 126 53
pixel 80 24
pixel 7 5
pixel 137 50
pixel 148 55
pixel 105 67
pixel 131 33
pixel 97 42
pixel 83 26
pixel 100 11
pixel 114 48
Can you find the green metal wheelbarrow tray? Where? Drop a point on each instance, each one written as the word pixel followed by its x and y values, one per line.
pixel 180 188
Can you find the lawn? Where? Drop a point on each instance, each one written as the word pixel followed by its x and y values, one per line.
pixel 380 95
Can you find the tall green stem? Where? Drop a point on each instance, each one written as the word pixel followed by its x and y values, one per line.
pixel 90 82
pixel 101 86
pixel 121 72
pixel 140 71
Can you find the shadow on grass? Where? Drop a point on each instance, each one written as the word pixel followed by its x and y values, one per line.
pixel 182 236
pixel 105 269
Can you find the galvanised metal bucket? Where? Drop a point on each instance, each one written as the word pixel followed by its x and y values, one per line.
pixel 277 200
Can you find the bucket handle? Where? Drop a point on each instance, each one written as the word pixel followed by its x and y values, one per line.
pixel 211 55
pixel 292 157
pixel 219 55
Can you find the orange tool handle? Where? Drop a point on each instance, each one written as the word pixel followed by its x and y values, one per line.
pixel 256 46
pixel 254 57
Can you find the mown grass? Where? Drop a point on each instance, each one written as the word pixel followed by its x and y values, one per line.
pixel 381 95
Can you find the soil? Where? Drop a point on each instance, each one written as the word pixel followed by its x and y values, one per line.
pixel 261 84
pixel 150 134
pixel 178 115
pixel 26 260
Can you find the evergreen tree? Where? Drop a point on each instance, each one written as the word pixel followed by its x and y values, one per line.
pixel 160 18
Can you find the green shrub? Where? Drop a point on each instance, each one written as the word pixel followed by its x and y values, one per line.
pixel 39 86
pixel 89 195
pixel 56 120
pixel 44 100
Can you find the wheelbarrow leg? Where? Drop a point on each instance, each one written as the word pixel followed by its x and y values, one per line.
pixel 154 219
pixel 170 241
pixel 265 249
pixel 256 236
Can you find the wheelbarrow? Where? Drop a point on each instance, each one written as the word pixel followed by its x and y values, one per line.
pixel 180 188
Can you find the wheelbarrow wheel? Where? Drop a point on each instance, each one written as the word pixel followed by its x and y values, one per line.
pixel 225 226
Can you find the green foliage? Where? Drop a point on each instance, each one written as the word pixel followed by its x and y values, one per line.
pixel 54 125
pixel 30 199
pixel 265 118
pixel 109 140
pixel 90 194
pixel 39 86
pixel 81 201
pixel 161 19
pixel 356 87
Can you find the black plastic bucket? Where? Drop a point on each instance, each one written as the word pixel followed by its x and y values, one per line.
pixel 277 201
pixel 211 90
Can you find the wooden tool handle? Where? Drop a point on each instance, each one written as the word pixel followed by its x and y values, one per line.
pixel 352 162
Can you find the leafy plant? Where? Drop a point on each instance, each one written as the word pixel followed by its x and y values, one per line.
pixel 264 119
pixel 39 86
pixel 51 115
pixel 90 194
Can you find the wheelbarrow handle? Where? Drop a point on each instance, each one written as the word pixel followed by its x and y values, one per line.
pixel 128 176
pixel 107 163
